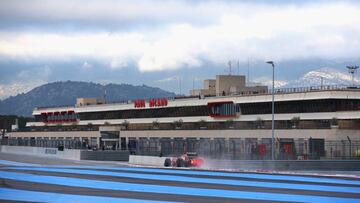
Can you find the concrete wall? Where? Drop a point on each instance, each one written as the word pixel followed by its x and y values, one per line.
pixel 225 82
pixel 208 89
pixel 89 101
pixel 105 155
pixel 210 84
pixel 147 160
pixel 72 154
pixel 259 89
pixel 198 92
pixel 327 165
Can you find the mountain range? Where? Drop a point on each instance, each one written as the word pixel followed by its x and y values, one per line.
pixel 65 94
pixel 323 76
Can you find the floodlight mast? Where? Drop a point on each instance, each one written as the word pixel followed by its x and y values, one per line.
pixel 272 112
pixel 352 70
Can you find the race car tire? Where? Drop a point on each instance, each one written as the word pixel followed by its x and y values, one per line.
pixel 167 162
pixel 187 163
pixel 180 162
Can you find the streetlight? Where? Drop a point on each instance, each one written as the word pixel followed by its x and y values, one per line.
pixel 352 71
pixel 272 112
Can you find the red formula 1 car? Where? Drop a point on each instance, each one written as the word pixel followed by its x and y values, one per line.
pixel 189 159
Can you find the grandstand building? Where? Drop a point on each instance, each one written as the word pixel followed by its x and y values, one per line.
pixel 226 118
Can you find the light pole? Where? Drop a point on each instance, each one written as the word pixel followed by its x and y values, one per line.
pixel 352 71
pixel 272 112
pixel 179 85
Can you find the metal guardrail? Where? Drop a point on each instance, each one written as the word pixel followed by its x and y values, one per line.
pixel 236 149
pixel 243 149
pixel 314 88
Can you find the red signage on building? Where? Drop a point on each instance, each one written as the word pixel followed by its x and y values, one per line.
pixel 152 103
pixel 158 102
pixel 139 103
pixel 59 116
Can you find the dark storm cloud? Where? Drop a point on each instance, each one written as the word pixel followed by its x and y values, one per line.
pixel 140 41
pixel 93 15
pixel 113 15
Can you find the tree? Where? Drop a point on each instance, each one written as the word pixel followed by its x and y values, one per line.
pixel 155 124
pixel 295 121
pixel 126 124
pixel 229 123
pixel 334 122
pixel 7 120
pixel 89 126
pixel 202 124
pixel 178 123
pixel 259 123
pixel 73 126
pixel 59 126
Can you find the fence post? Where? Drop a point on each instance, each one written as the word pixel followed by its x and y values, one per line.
pixel 349 146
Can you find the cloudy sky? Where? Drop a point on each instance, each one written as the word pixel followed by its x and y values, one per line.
pixel 164 43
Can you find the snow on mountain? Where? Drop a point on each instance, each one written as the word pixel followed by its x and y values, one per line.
pixel 329 76
pixel 324 76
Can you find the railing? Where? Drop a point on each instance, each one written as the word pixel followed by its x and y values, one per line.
pixel 48 107
pixel 276 91
pixel 203 125
pixel 314 88
pixel 46 143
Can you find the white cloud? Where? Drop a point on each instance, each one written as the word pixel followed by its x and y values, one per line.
pixel 268 82
pixel 232 30
pixel 168 79
pixel 87 65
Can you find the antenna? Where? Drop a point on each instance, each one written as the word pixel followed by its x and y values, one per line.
pixel 179 85
pixel 321 81
pixel 229 63
pixel 248 71
pixel 352 70
pixel 238 66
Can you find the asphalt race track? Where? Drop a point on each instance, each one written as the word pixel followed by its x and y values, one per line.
pixel 31 179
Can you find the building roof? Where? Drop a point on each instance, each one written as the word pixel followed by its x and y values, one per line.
pixel 291 94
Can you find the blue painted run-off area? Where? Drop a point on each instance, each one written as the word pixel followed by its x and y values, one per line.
pixel 24 195
pixel 224 174
pixel 246 183
pixel 131 187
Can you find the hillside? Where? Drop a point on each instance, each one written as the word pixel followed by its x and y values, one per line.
pixel 65 93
